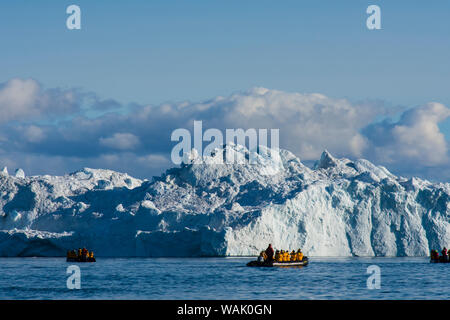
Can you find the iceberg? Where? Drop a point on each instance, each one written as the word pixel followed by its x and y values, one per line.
pixel 19 173
pixel 340 207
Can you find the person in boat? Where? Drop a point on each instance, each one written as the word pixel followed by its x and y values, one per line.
pixel 434 255
pixel 269 252
pixel 299 255
pixel 84 254
pixel 293 256
pixel 444 254
pixel 277 256
pixel 286 256
pixel 91 256
pixel 72 254
pixel 261 256
pixel 79 253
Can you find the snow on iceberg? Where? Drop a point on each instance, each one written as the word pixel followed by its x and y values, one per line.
pixel 19 173
pixel 339 208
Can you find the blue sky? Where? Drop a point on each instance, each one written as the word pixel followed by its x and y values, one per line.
pixel 151 52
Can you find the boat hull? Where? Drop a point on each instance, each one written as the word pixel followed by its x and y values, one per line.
pixel 439 261
pixel 302 263
pixel 80 260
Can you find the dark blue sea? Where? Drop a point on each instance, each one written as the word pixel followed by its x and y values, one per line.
pixel 223 278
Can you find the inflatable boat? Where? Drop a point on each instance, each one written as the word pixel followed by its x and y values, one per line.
pixel 440 260
pixel 302 263
pixel 80 260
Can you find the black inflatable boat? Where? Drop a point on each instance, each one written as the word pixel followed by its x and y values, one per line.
pixel 80 260
pixel 440 260
pixel 302 263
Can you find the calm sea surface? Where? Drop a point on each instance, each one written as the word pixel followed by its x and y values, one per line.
pixel 223 278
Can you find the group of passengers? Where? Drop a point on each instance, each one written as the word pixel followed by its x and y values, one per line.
pixel 280 255
pixel 435 255
pixel 81 255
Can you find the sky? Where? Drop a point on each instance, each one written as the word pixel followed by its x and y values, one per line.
pixel 100 96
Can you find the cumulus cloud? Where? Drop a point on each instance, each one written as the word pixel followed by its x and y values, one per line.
pixel 121 141
pixel 138 140
pixel 34 134
pixel 24 99
pixel 415 138
pixel 308 123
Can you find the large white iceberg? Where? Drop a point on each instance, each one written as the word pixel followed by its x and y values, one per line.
pixel 339 208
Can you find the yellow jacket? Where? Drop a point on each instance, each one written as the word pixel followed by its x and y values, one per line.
pixel 293 256
pixel 278 257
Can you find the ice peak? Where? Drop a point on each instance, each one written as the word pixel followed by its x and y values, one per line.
pixel 326 161
pixel 4 171
pixel 19 173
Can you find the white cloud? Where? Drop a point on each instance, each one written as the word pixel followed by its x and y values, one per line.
pixel 120 141
pixel 17 99
pixel 22 99
pixel 34 133
pixel 415 138
pixel 139 141
pixel 308 123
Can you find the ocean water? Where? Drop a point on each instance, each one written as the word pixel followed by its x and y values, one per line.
pixel 223 278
